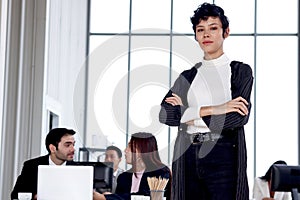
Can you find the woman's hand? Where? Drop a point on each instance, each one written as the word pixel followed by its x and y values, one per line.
pixel 190 123
pixel 107 193
pixel 174 100
pixel 98 196
pixel 238 105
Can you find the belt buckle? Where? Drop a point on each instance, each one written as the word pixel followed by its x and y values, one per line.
pixel 198 138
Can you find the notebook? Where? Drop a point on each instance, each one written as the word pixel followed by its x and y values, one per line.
pixel 65 182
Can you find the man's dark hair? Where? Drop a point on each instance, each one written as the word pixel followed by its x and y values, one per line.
pixel 206 10
pixel 119 152
pixel 54 136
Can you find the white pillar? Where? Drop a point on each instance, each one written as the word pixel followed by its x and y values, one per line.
pixel 23 87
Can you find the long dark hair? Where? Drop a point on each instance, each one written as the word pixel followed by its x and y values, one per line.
pixel 267 176
pixel 146 144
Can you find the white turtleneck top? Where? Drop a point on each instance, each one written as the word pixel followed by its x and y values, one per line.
pixel 211 86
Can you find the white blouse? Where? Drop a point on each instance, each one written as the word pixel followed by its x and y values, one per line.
pixel 211 86
pixel 261 190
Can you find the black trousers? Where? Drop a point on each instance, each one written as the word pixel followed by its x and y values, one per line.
pixel 205 171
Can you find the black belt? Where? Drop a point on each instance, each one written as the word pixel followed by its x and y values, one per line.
pixel 197 138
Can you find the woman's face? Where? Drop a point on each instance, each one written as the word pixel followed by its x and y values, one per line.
pixel 209 34
pixel 129 154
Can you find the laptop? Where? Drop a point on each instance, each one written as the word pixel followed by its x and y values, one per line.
pixel 65 182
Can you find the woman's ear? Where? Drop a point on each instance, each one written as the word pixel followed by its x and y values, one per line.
pixel 226 32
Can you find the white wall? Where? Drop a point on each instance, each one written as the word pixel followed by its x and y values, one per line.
pixel 23 56
pixel 28 55
pixel 65 64
pixel 3 19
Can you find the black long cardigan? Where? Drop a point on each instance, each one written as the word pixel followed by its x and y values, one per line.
pixel 241 85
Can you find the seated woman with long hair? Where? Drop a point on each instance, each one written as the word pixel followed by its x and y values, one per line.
pixel 142 154
pixel 262 187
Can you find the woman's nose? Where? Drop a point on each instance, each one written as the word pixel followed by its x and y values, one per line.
pixel 206 34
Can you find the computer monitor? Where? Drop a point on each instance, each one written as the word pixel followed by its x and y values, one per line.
pixel 286 178
pixel 103 175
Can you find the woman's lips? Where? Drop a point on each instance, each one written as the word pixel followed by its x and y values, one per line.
pixel 207 42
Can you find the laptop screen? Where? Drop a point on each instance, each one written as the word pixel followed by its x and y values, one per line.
pixel 65 182
pixel 103 174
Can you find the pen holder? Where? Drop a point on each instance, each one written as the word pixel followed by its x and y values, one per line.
pixel 157 194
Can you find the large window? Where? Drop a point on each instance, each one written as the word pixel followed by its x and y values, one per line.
pixel 138 47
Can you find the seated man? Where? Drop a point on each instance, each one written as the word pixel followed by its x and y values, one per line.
pixel 114 154
pixel 60 146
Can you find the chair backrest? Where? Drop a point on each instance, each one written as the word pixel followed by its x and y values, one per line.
pixel 286 178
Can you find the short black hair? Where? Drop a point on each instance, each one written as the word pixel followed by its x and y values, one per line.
pixel 206 10
pixel 119 152
pixel 54 136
